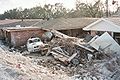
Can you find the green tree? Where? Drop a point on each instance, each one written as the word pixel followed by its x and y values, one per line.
pixel 56 11
pixel 89 10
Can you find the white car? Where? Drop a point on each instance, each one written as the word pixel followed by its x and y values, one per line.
pixel 34 44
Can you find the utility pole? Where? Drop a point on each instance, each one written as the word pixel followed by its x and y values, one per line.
pixel 107 9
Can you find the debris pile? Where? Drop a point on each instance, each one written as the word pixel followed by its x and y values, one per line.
pixel 96 60
pixel 84 62
pixel 67 50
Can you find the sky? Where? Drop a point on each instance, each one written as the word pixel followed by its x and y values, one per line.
pixel 10 4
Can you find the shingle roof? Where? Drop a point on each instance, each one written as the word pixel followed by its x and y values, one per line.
pixel 19 28
pixel 66 23
pixel 8 21
pixel 71 23
pixel 57 24
pixel 13 23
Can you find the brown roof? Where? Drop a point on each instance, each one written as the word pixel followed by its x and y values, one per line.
pixel 66 23
pixel 71 23
pixel 57 24
pixel 13 23
pixel 8 21
pixel 13 29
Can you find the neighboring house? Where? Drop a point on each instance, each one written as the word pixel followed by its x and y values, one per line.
pixel 4 22
pixel 18 36
pixel 17 23
pixel 14 22
pixel 73 26
pixel 8 21
pixel 105 25
pixel 68 26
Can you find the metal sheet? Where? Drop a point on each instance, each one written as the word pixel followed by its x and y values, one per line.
pixel 107 43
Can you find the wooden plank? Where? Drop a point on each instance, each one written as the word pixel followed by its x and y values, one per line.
pixel 84 47
pixel 70 58
pixel 59 56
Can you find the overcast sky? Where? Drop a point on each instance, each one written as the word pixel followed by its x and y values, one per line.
pixel 10 4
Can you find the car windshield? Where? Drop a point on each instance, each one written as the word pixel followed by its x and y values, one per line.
pixel 36 40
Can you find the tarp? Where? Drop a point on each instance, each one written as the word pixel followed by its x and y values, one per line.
pixel 103 25
pixel 106 43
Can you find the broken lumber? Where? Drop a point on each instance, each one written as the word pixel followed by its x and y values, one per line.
pixel 59 56
pixel 70 58
pixel 84 47
pixel 59 34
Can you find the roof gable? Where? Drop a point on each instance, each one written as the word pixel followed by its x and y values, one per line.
pixel 103 25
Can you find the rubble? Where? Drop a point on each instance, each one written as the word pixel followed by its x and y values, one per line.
pixel 66 58
pixel 72 45
pixel 88 63
pixel 18 67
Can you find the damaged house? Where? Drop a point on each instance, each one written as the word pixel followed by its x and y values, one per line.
pixel 6 22
pixel 17 32
pixel 73 26
pixel 83 60
pixel 69 26
pixel 105 25
pixel 104 31
pixel 19 36
pixel 17 23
